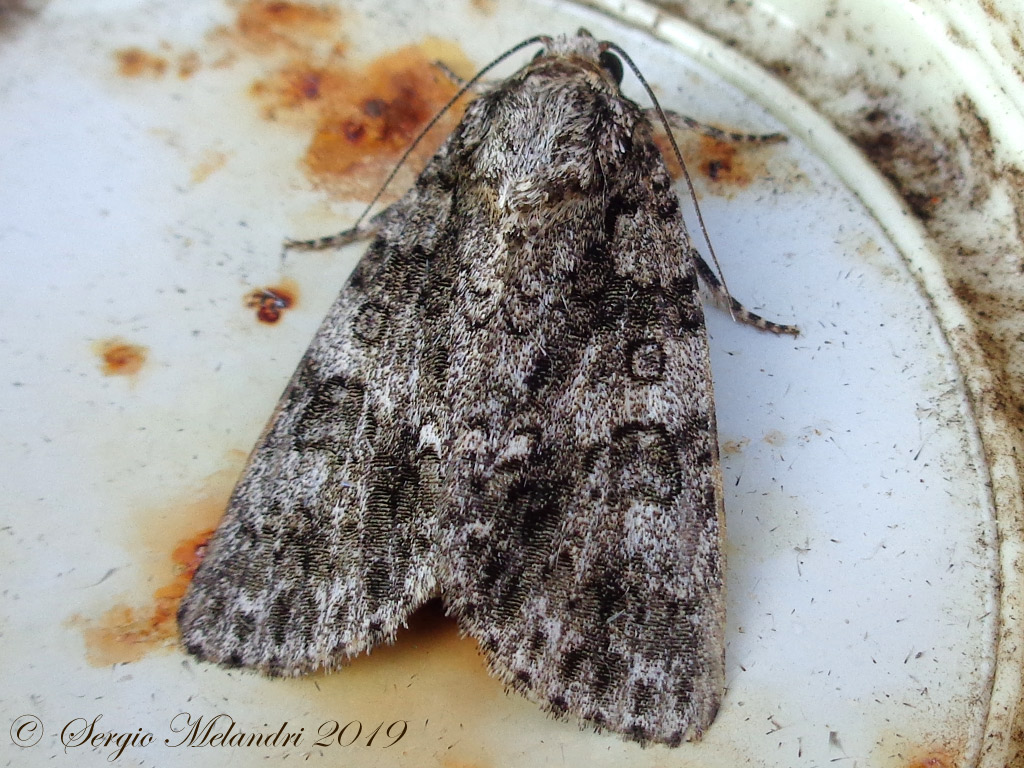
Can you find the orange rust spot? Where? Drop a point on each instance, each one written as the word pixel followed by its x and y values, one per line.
pixel 212 161
pixel 264 25
pixel 720 164
pixel 362 120
pixel 135 62
pixel 730 447
pixel 486 7
pixel 431 638
pixel 271 301
pixel 451 762
pixel 119 357
pixel 669 155
pixel 936 759
pixel 383 119
pixel 190 553
pixel 188 63
pixel 726 165
pixel 125 633
pixel 432 659
pixel 297 84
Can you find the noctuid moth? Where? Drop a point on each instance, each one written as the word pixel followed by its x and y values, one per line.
pixel 509 406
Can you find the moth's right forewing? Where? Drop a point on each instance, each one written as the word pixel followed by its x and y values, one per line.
pixel 587 560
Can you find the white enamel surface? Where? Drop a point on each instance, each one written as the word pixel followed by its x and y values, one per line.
pixel 861 557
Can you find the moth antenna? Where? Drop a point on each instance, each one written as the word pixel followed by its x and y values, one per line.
pixel 433 121
pixel 679 158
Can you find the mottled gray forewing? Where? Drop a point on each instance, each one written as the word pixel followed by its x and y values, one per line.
pixel 584 467
pixel 329 540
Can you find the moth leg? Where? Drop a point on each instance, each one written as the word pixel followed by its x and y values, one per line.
pixel 362 231
pixel 722 299
pixel 685 123
pixel 477 87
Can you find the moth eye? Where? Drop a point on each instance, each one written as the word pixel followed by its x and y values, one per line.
pixel 612 64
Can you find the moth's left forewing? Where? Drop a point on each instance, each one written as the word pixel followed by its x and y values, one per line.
pixel 586 550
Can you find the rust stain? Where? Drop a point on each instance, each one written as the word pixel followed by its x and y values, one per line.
pixel 261 27
pixel 719 163
pixel 136 62
pixel 360 117
pixel 934 759
pixel 264 26
pixel 726 165
pixel 119 357
pixel 211 162
pixel 485 7
pixel 729 165
pixel 730 447
pixel 432 632
pixel 125 633
pixel 401 95
pixel 946 751
pixel 669 155
pixel 271 301
pixel 188 63
pixel 433 657
pixel 363 118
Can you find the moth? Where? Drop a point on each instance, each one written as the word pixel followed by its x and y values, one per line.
pixel 509 406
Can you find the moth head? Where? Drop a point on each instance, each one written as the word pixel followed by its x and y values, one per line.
pixel 585 48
